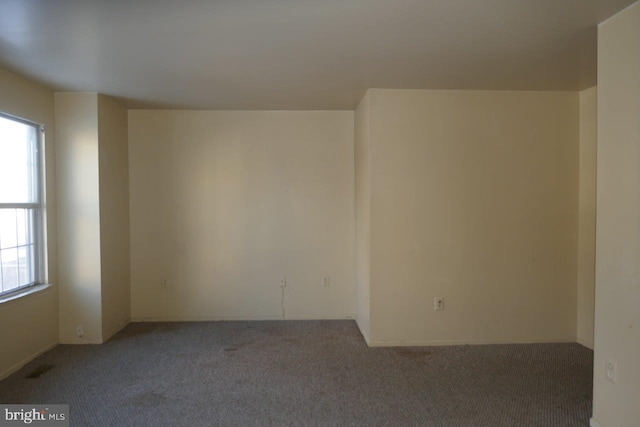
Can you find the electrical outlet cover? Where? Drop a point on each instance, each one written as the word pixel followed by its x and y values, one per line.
pixel 611 368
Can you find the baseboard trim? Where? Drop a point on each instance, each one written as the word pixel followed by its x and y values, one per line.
pixel 26 360
pixel 115 331
pixel 364 334
pixel 81 341
pixel 586 343
pixel 594 423
pixel 137 319
pixel 434 343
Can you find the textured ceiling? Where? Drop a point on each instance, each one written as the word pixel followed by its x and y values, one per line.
pixel 299 54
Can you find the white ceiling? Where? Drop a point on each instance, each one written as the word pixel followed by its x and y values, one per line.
pixel 299 54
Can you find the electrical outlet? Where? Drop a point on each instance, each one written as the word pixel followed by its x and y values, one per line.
pixel 326 281
pixel 164 283
pixel 438 304
pixel 79 331
pixel 611 368
pixel 283 282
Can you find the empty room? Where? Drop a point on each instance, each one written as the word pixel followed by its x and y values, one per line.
pixel 320 213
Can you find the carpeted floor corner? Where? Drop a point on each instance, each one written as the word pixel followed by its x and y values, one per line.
pixel 303 373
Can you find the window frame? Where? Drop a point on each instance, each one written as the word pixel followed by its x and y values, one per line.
pixel 39 252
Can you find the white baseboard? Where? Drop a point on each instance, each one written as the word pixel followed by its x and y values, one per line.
pixel 136 319
pixel 81 341
pixel 117 329
pixel 26 360
pixel 594 423
pixel 364 333
pixel 428 343
pixel 586 343
pixel 73 340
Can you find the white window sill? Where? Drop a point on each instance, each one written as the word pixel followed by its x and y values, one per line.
pixel 23 293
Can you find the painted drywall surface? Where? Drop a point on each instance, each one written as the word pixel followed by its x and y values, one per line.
pixel 475 199
pixel 114 215
pixel 363 216
pixel 78 216
pixel 224 205
pixel 29 326
pixel 617 318
pixel 587 216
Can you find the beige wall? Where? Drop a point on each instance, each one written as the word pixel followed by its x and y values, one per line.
pixel 225 204
pixel 617 327
pixel 114 215
pixel 93 195
pixel 363 216
pixel 29 325
pixel 79 216
pixel 587 216
pixel 474 198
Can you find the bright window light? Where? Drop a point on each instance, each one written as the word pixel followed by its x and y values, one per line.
pixel 20 205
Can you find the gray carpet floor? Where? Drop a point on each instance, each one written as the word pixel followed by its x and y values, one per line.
pixel 303 373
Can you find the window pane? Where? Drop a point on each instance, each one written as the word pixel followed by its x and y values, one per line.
pixel 8 229
pixel 18 186
pixel 25 265
pixel 17 162
pixel 24 224
pixel 9 259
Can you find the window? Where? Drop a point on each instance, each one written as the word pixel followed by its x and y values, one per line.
pixel 21 250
